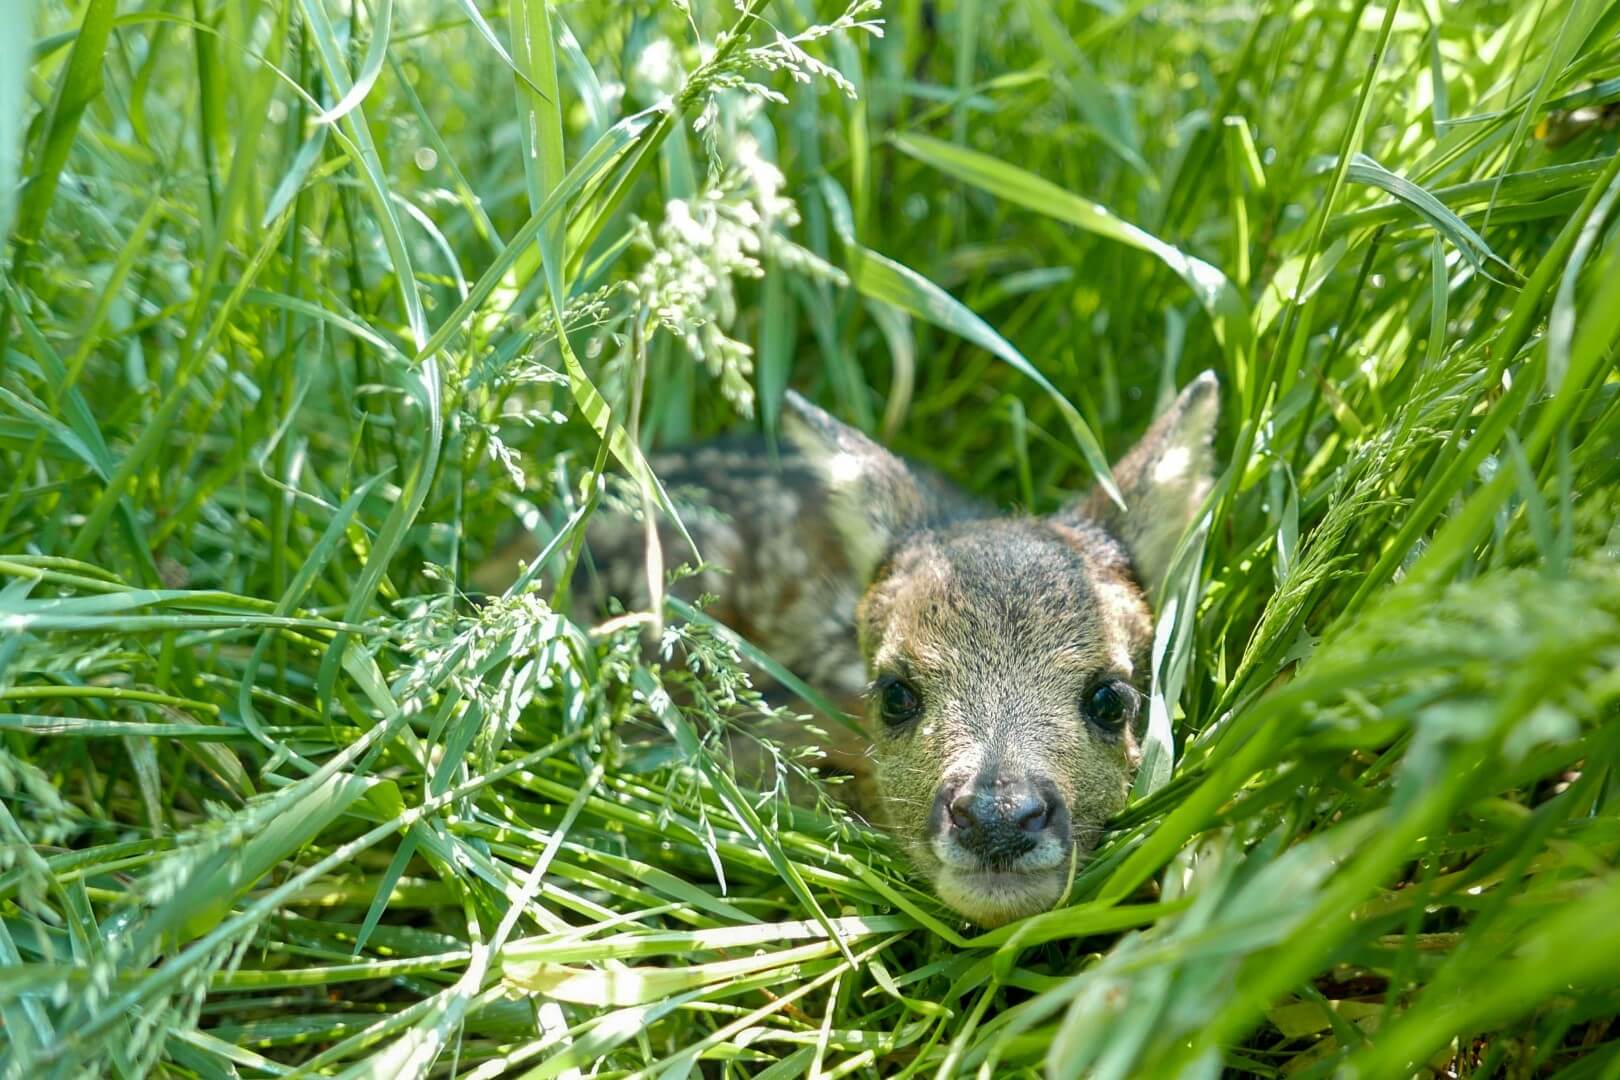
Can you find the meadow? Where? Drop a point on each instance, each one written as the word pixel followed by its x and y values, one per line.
pixel 306 306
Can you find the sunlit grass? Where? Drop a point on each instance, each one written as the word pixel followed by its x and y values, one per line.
pixel 280 365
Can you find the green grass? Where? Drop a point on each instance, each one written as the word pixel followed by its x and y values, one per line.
pixel 280 364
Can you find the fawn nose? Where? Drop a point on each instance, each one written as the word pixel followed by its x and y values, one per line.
pixel 1000 817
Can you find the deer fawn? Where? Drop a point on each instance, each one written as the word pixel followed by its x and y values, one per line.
pixel 1000 659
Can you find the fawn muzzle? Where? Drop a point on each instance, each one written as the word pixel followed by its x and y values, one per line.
pixel 1002 820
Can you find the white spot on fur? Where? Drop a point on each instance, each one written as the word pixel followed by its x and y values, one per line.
pixel 1172 466
pixel 843 468
pixel 992 899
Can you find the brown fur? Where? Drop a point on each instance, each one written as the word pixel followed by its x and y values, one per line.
pixel 848 564
pixel 1002 625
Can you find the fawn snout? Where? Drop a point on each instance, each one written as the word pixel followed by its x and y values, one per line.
pixel 1001 819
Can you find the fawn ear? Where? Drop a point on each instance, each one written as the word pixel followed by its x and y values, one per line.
pixel 1164 479
pixel 873 496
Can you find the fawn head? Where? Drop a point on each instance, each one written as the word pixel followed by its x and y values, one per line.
pixel 1008 656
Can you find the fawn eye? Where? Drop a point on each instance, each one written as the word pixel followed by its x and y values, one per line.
pixel 1110 705
pixel 898 700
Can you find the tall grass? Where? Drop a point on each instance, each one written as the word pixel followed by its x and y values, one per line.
pixel 306 306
